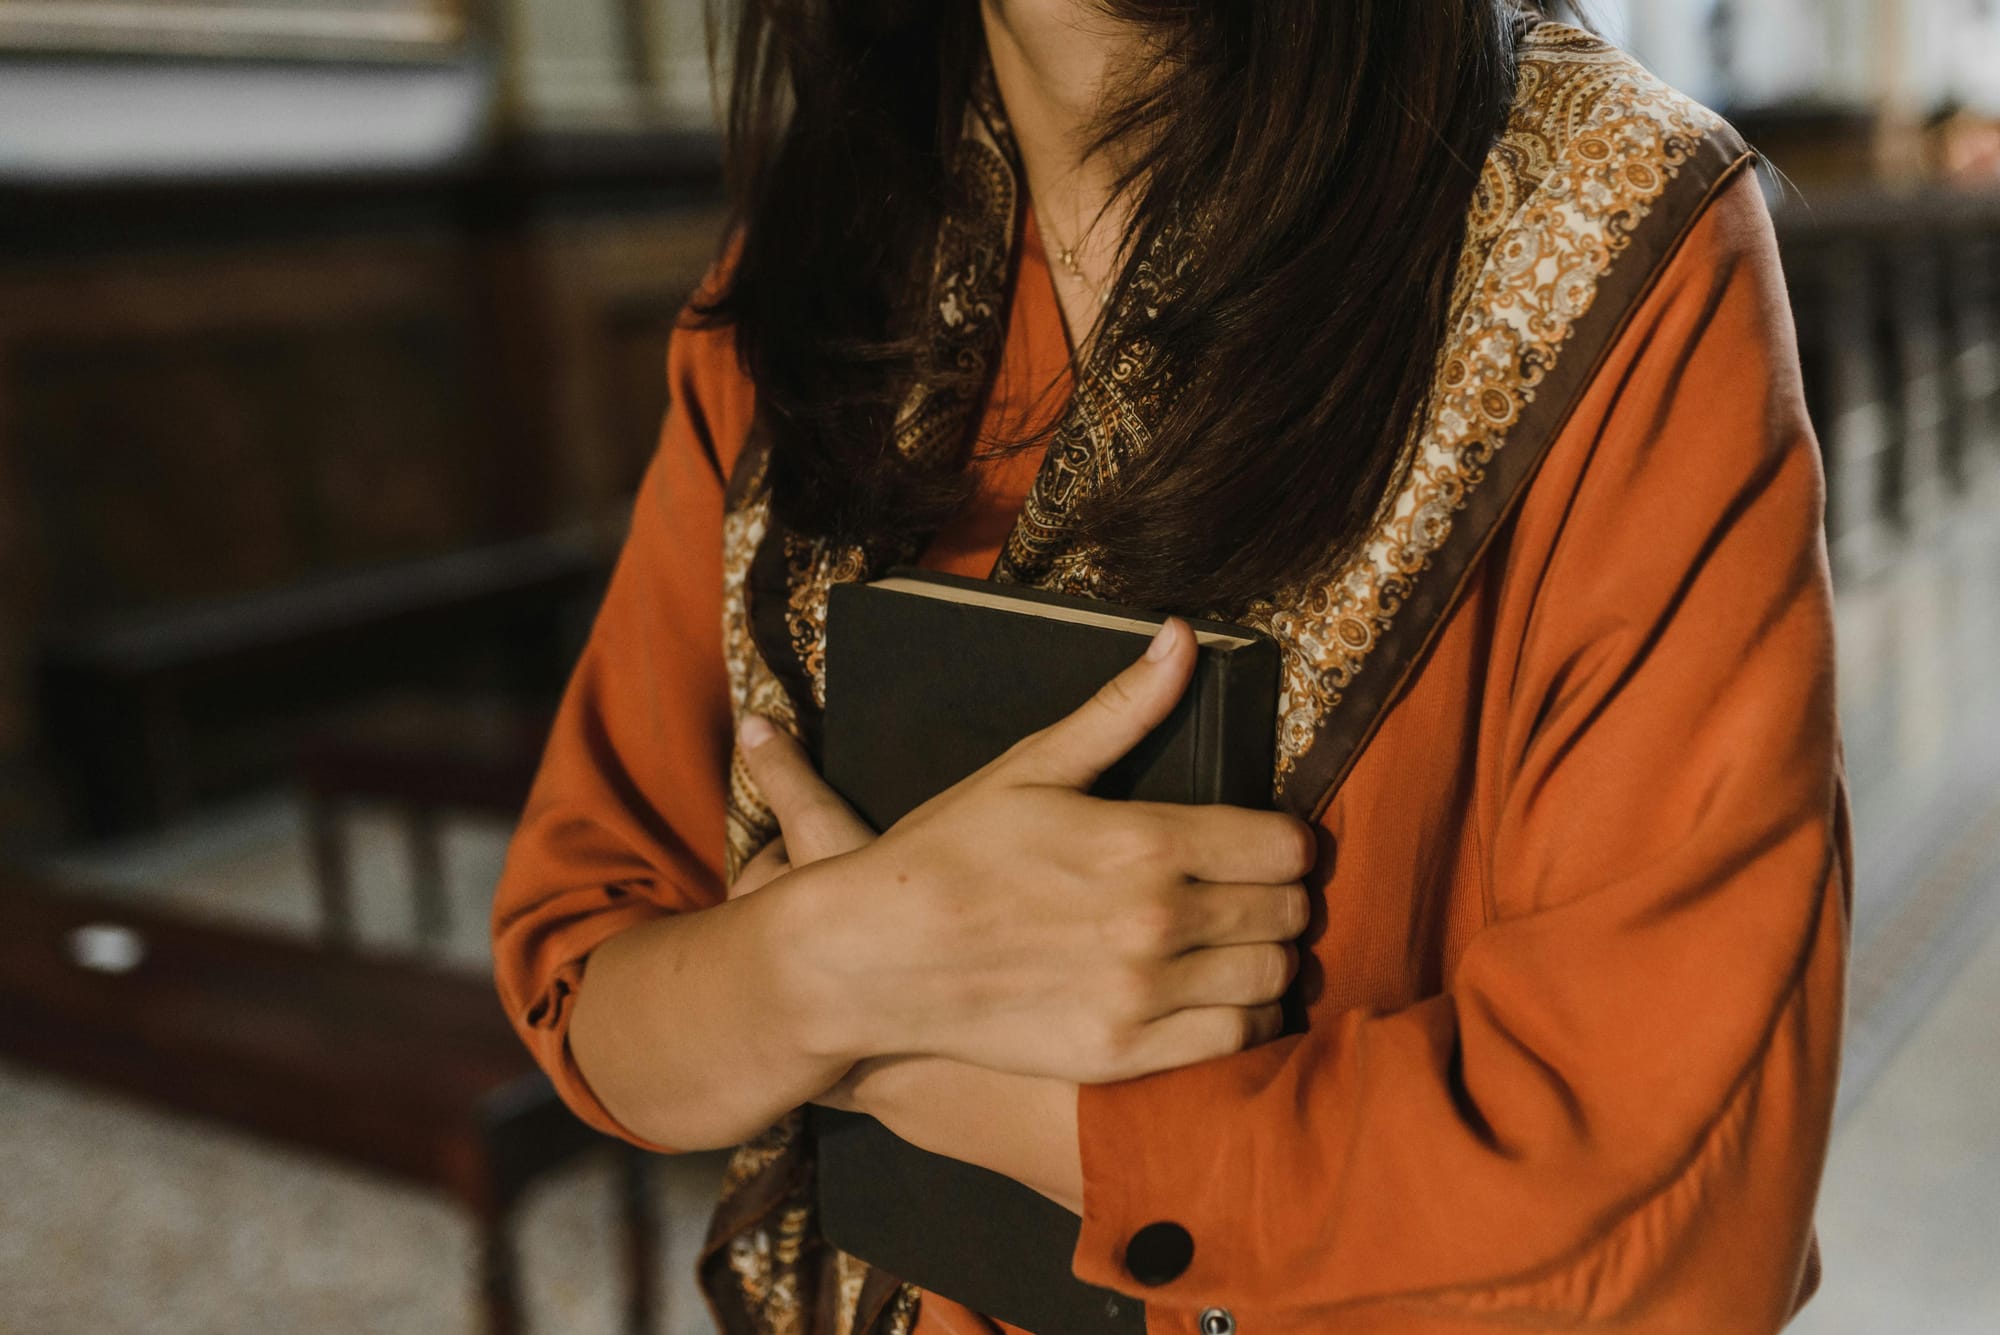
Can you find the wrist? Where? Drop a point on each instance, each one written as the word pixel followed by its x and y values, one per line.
pixel 816 945
pixel 1024 1127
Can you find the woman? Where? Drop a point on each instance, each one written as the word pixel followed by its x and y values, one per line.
pixel 1440 342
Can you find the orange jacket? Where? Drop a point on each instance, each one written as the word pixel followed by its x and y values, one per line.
pixel 1572 1059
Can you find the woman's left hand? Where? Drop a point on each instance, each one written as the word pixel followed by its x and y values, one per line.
pixel 1023 1126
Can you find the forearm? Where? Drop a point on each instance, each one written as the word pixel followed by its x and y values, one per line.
pixel 700 1029
pixel 1019 1126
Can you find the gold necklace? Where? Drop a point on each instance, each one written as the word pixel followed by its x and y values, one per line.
pixel 1066 256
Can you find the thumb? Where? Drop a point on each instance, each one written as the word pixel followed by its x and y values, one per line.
pixel 1077 748
pixel 815 821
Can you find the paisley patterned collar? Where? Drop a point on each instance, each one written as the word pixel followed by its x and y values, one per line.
pixel 1597 175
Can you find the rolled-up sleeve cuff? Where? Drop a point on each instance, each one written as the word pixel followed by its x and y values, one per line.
pixel 1148 1218
pixel 543 1020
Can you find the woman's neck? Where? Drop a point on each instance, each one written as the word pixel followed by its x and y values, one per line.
pixel 1051 60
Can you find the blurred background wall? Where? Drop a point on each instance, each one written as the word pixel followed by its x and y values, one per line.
pixel 331 350
pixel 295 289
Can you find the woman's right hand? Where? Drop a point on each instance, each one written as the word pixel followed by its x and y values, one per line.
pixel 1017 923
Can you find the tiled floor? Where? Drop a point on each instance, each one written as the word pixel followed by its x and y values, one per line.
pixel 1910 1206
pixel 118 1220
pixel 1910 1210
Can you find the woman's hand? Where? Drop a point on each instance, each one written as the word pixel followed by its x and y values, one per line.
pixel 1018 1125
pixel 1018 924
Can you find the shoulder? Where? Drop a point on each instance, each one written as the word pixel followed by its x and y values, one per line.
pixel 1687 427
pixel 1622 343
pixel 1601 166
pixel 1609 201
pixel 1580 100
pixel 1641 211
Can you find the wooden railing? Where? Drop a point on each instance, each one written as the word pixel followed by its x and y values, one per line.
pixel 1897 301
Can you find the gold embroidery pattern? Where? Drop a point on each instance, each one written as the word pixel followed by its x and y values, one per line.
pixel 775 1261
pixel 1117 393
pixel 968 286
pixel 1591 144
pixel 766 1265
pixel 849 1272
pixel 763 1258
pixel 754 1156
pixel 813 566
pixel 753 687
pixel 900 1316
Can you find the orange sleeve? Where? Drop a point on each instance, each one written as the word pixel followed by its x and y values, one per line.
pixel 625 819
pixel 1615 1113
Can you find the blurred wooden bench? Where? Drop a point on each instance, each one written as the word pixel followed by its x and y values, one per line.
pixel 424 755
pixel 147 712
pixel 382 1063
pixel 1896 301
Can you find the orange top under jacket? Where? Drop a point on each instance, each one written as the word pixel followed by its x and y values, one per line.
pixel 1573 1062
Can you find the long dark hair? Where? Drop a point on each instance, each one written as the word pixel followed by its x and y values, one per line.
pixel 1336 147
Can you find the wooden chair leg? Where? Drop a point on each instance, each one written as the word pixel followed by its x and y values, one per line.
pixel 427 887
pixel 641 1240
pixel 499 1280
pixel 330 871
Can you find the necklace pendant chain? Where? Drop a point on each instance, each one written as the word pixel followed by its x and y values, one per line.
pixel 1066 256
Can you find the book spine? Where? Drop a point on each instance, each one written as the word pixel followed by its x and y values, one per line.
pixel 1211 704
pixel 1248 706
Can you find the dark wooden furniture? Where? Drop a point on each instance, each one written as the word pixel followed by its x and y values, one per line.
pixel 143 713
pixel 216 388
pixel 1897 310
pixel 382 1063
pixel 425 756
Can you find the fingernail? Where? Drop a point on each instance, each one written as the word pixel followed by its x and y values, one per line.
pixel 754 731
pixel 1158 648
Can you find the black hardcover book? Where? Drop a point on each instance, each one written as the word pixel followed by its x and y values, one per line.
pixel 928 677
